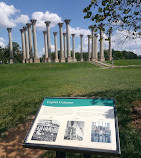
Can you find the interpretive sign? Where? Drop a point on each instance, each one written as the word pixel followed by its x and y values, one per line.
pixel 80 124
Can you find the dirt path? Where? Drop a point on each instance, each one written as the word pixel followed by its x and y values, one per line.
pixel 11 146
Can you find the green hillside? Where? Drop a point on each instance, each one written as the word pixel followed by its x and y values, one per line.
pixel 23 86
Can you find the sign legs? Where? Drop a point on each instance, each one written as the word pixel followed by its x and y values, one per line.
pixel 87 156
pixel 60 154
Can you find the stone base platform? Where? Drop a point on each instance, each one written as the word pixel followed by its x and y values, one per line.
pixel 26 60
pixel 11 61
pixel 31 60
pixel 23 61
pixel 56 60
pixel 62 60
pixel 69 59
pixel 102 59
pixel 49 60
pixel 46 60
pixel 36 60
pixel 74 60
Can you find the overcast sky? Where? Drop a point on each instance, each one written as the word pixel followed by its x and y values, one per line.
pixel 16 13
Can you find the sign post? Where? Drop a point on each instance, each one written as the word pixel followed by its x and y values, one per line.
pixel 87 125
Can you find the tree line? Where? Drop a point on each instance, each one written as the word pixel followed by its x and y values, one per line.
pixel 17 53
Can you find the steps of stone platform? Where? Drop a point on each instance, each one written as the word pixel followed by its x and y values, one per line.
pixel 102 64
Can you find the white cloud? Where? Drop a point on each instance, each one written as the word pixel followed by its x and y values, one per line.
pixel 47 16
pixel 7 12
pixel 119 42
pixel 79 31
pixel 2 42
pixel 42 52
pixel 22 19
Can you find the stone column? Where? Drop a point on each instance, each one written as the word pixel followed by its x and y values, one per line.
pixel 36 59
pixel 69 58
pixel 81 47
pixel 89 48
pixel 95 46
pixel 46 48
pixel 48 40
pixel 101 43
pixel 65 50
pixel 30 42
pixel 23 45
pixel 10 44
pixel 56 60
pixel 62 59
pixel 26 45
pixel 73 48
pixel 110 44
pixel 93 51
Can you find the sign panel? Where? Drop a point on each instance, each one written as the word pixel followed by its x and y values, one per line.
pixel 82 124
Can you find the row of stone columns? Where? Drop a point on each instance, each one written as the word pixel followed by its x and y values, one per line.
pixel 26 36
pixel 65 53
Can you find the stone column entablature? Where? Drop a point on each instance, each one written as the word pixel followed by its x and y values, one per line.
pixel 26 45
pixel 62 58
pixel 65 47
pixel 48 40
pixel 10 45
pixel 36 59
pixel 102 58
pixel 30 42
pixel 81 47
pixel 23 45
pixel 95 46
pixel 56 60
pixel 110 44
pixel 45 45
pixel 69 58
pixel 89 47
pixel 73 48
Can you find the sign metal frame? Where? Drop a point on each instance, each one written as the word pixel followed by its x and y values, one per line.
pixel 61 148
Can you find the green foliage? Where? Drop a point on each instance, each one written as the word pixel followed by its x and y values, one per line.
pixel 122 14
pixel 5 53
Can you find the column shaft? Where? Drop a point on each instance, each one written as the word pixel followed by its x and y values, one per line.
pixel 10 45
pixel 89 49
pixel 23 45
pixel 45 44
pixel 36 59
pixel 48 40
pixel 62 59
pixel 30 42
pixel 65 50
pixel 95 46
pixel 26 45
pixel 110 44
pixel 81 48
pixel 69 58
pixel 101 44
pixel 56 51
pixel 73 48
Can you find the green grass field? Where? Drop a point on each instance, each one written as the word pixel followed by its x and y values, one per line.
pixel 126 62
pixel 23 86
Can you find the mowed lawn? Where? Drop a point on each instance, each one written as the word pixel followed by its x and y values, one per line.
pixel 23 86
pixel 126 62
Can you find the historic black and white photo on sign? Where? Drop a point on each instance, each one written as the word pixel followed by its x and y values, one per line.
pixel 46 130
pixel 101 132
pixel 74 130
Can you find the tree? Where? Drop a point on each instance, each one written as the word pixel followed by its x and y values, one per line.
pixel 5 55
pixel 121 14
